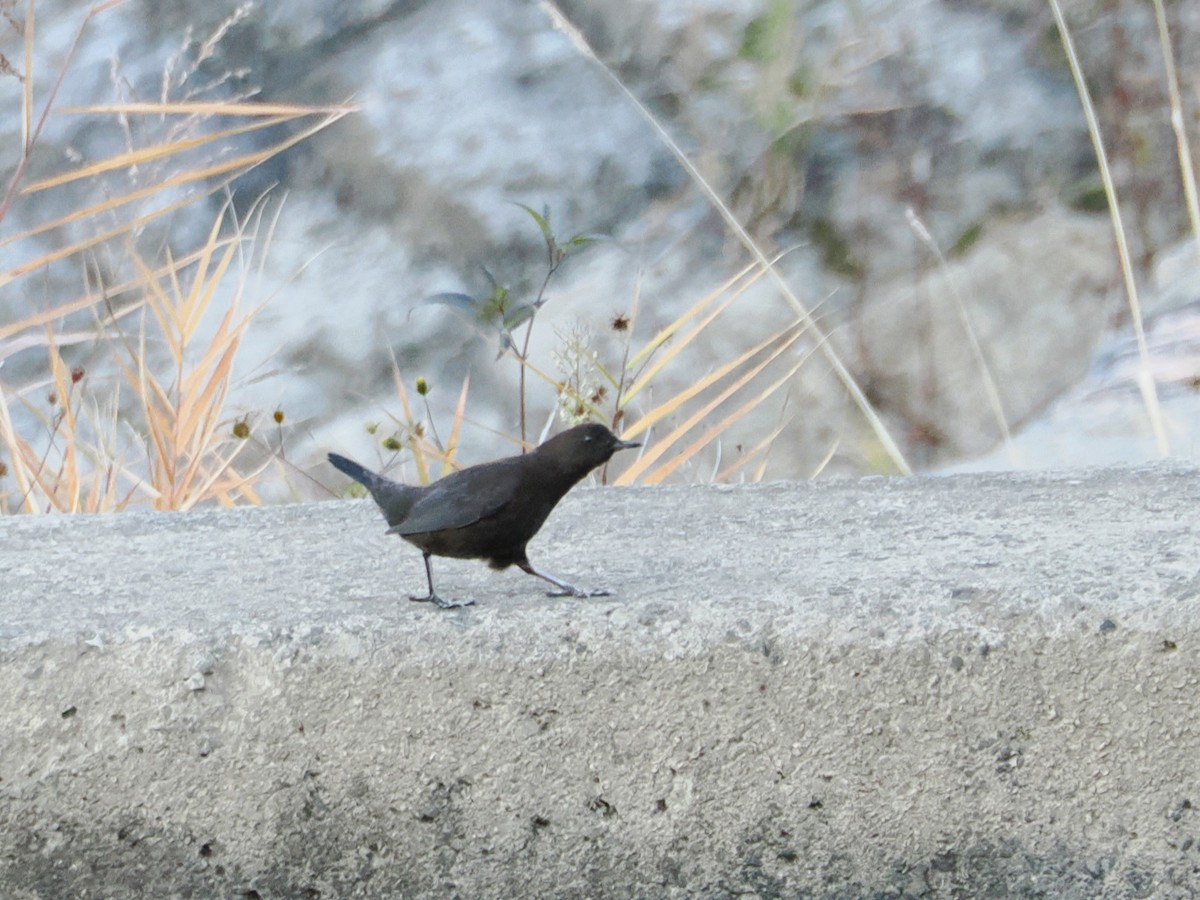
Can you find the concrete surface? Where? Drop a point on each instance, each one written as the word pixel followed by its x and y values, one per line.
pixel 969 686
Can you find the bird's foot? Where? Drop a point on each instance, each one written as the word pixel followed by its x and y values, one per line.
pixel 564 589
pixel 577 592
pixel 440 603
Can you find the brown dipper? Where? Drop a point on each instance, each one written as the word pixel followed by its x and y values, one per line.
pixel 490 511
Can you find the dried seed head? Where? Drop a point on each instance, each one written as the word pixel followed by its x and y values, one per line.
pixel 241 429
pixel 422 386
pixel 278 417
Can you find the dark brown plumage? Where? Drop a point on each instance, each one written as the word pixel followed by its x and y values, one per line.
pixel 490 511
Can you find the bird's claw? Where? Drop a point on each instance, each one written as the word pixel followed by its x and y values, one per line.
pixel 440 603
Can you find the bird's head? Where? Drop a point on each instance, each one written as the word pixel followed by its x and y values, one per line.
pixel 582 448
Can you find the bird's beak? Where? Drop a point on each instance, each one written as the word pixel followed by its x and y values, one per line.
pixel 628 445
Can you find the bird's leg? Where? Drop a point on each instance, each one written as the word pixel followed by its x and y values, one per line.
pixel 564 589
pixel 433 597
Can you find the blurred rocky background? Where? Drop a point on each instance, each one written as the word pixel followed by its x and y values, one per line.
pixel 924 168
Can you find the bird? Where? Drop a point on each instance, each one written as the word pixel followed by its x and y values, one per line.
pixel 492 510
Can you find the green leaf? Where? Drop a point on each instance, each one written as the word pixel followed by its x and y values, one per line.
pixel 464 304
pixel 583 240
pixel 485 316
pixel 968 239
pixel 1091 199
pixel 495 285
pixel 764 36
pixel 518 315
pixel 495 304
pixel 543 222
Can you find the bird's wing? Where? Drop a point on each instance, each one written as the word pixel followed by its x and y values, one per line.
pixel 463 498
pixel 394 499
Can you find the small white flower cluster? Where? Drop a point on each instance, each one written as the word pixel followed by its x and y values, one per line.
pixel 575 362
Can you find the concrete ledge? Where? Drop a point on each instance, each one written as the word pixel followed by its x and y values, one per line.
pixel 963 686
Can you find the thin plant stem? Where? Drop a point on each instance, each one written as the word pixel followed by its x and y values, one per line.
pixel 1177 123
pixel 1145 379
pixel 524 357
pixel 985 372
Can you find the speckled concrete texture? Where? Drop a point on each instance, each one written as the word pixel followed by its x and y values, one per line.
pixel 965 686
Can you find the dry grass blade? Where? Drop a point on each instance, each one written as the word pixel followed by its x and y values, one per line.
pixel 759 449
pixel 27 341
pixel 130 159
pixel 96 240
pixel 678 346
pixel 666 333
pixel 215 108
pixel 666 442
pixel 543 375
pixel 189 454
pixel 220 481
pixel 231 168
pixel 197 417
pixel 418 447
pixel 769 443
pixel 27 87
pixel 827 458
pixel 157 300
pixel 196 303
pixel 58 485
pixel 665 470
pixel 1145 379
pixel 553 383
pixel 188 461
pixel 30 131
pixel 835 362
pixel 67 478
pixel 155 402
pixel 671 406
pixel 142 156
pixel 1178 125
pixel 460 413
pixel 71 475
pixel 964 318
pixel 36 483
pixel 89 301
pixel 16 453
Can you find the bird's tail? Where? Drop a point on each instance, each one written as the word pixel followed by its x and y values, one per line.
pixel 394 499
pixel 363 476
